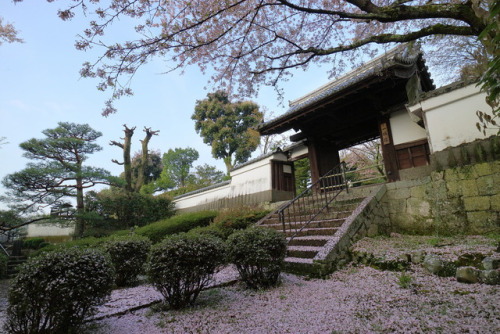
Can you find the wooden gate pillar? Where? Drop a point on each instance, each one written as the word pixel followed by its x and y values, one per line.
pixel 388 150
pixel 323 156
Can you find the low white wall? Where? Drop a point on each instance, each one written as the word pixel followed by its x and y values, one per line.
pixel 46 230
pixel 450 118
pixel 404 130
pixel 250 179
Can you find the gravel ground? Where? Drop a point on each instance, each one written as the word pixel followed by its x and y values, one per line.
pixel 353 300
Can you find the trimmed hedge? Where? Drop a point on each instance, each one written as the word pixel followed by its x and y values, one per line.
pixel 182 265
pixel 258 254
pixel 34 243
pixel 230 220
pixel 57 291
pixel 128 254
pixel 177 224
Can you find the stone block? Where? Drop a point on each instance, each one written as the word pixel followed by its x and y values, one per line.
pixel 491 277
pixel 467 172
pixel 418 256
pixel 478 203
pixel 491 263
pixel 418 207
pixel 396 206
pixel 454 188
pixel 436 176
pixel 468 275
pixel 419 191
pixel 400 193
pixel 433 263
pixel 489 185
pixel 484 169
pixel 495 202
pixel 372 230
pixel 451 175
pixel 482 221
pixel 469 188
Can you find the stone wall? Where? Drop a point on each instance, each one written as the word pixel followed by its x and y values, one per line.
pixel 368 220
pixel 459 200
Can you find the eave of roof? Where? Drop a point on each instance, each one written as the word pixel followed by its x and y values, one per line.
pixel 443 90
pixel 401 55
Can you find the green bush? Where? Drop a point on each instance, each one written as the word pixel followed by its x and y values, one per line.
pixel 3 265
pixel 128 254
pixel 113 210
pixel 258 254
pixel 182 265
pixel 177 224
pixel 57 291
pixel 230 220
pixel 209 230
pixel 34 243
pixel 90 242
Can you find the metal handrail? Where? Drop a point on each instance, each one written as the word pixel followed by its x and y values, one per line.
pixel 323 191
pixel 4 250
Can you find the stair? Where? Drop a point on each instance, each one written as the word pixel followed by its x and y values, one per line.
pixel 308 240
pixel 14 264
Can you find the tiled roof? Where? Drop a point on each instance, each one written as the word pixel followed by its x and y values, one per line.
pixel 401 55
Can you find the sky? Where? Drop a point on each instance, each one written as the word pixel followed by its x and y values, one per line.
pixel 40 86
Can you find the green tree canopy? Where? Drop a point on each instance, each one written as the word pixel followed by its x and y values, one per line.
pixel 58 172
pixel 228 127
pixel 206 175
pixel 177 164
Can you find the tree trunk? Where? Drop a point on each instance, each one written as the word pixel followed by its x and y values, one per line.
pixel 229 165
pixel 145 157
pixel 127 162
pixel 80 208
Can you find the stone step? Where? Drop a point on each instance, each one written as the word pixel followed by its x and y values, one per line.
pixel 311 240
pixel 312 231
pixel 312 224
pixel 307 215
pixel 308 252
pixel 13 265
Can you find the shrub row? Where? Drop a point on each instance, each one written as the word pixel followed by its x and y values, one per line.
pixel 229 221
pixel 57 291
pixel 177 224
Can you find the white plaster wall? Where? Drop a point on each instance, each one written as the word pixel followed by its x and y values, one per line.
pixel 451 118
pixel 250 179
pixel 208 196
pixel 45 230
pixel 404 130
pixel 298 151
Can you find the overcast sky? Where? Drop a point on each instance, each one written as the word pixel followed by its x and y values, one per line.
pixel 40 86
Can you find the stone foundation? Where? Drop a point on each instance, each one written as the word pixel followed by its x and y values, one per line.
pixel 459 200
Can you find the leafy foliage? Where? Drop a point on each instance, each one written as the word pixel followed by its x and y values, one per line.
pixel 115 210
pixel 58 172
pixel 152 169
pixel 8 33
pixel 302 175
pixel 128 255
pixel 182 265
pixel 34 243
pixel 177 224
pixel 231 220
pixel 177 164
pixel 250 43
pixel 227 127
pixel 57 291
pixel 491 79
pixel 258 254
